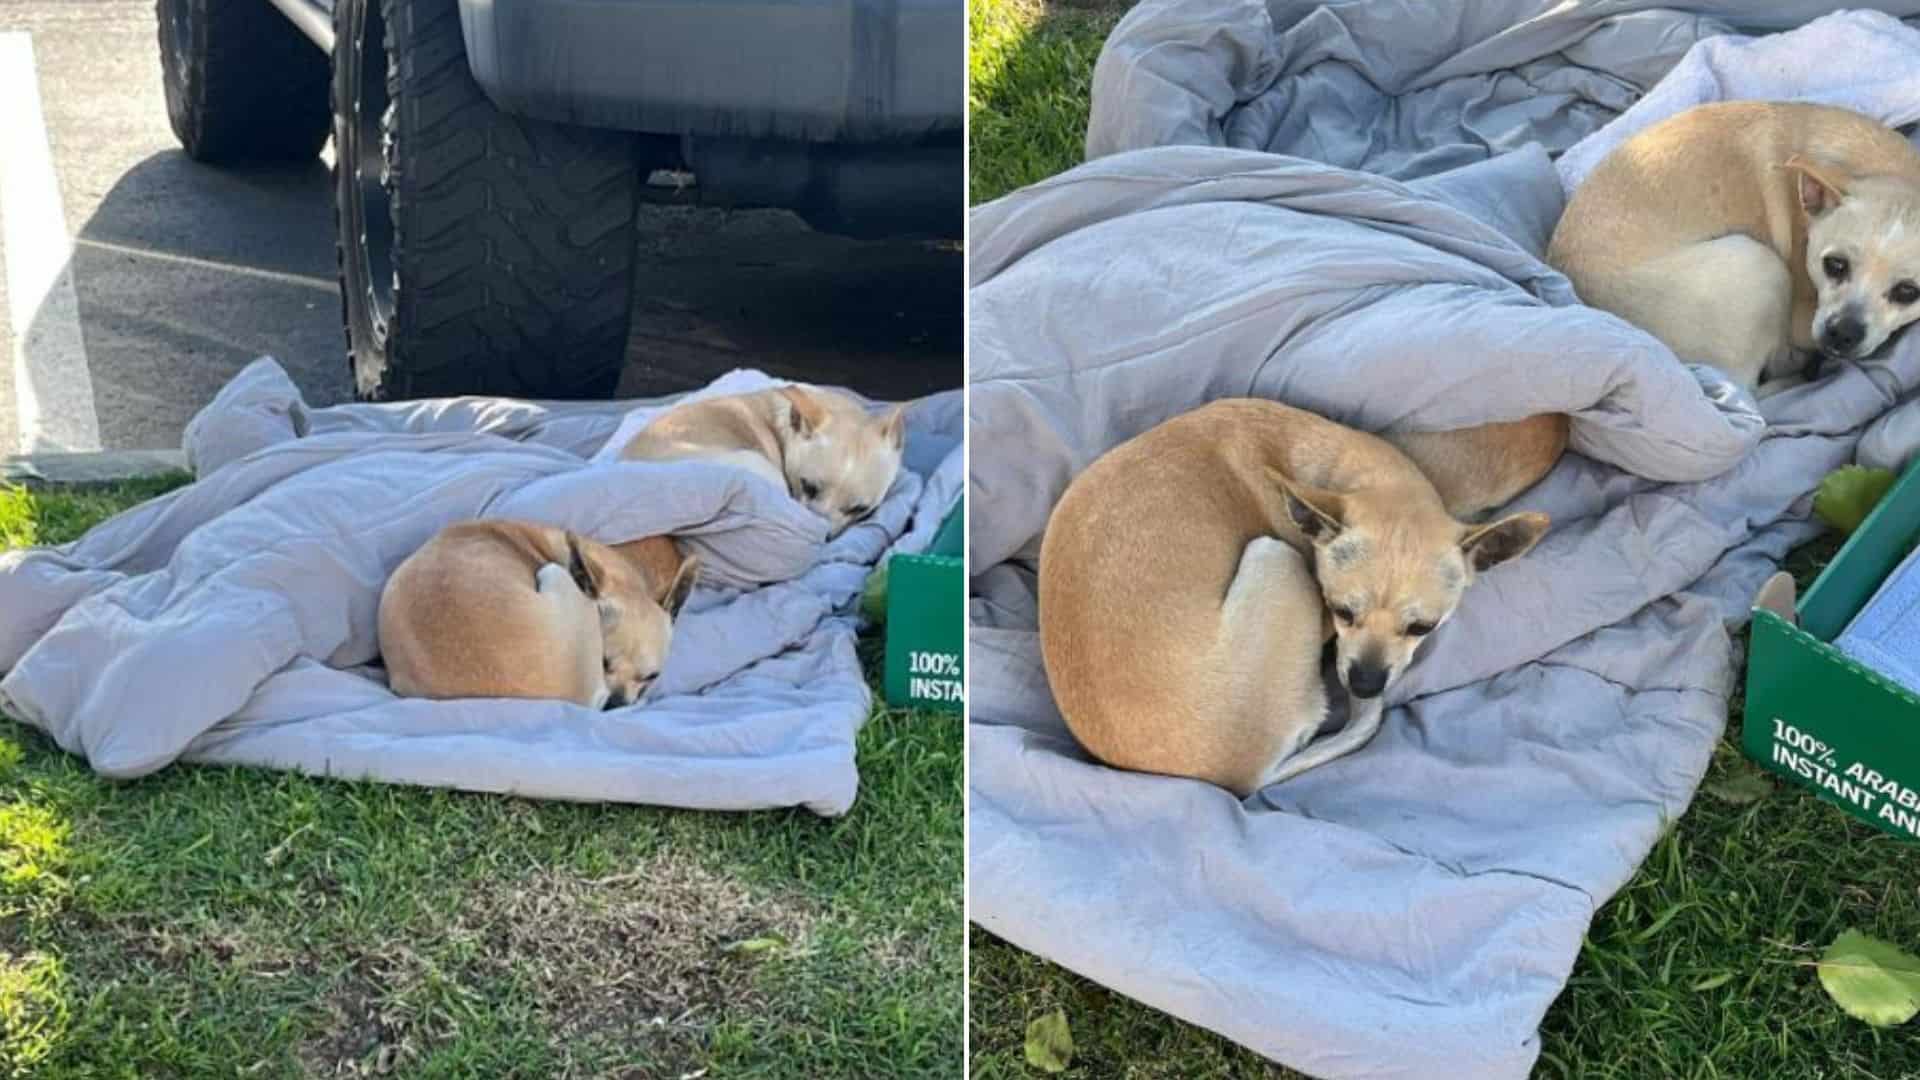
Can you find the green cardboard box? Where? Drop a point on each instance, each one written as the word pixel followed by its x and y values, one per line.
pixel 1820 718
pixel 926 637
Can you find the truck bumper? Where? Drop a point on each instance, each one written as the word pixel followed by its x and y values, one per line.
pixel 819 71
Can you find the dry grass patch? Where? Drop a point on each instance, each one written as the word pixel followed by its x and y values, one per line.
pixel 898 951
pixel 372 1021
pixel 640 961
pixel 170 948
pixel 641 949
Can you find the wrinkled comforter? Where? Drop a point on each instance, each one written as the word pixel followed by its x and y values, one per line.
pixel 1343 206
pixel 233 620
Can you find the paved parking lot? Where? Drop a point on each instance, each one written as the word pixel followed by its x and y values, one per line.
pixel 137 281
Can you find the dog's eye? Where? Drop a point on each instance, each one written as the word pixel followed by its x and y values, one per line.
pixel 1836 267
pixel 606 666
pixel 858 510
pixel 1344 614
pixel 809 489
pixel 1904 293
pixel 1419 629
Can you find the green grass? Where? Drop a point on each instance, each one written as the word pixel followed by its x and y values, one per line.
pixel 208 922
pixel 1699 968
pixel 1031 69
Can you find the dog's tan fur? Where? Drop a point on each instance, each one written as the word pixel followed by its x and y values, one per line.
pixel 1480 469
pixel 821 445
pixel 1710 229
pixel 1187 575
pixel 498 609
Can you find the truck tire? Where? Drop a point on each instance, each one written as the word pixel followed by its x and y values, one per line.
pixel 480 253
pixel 242 84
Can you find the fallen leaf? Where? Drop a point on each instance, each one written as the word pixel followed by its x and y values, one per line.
pixel 1871 979
pixel 1050 1042
pixel 1849 494
pixel 1748 786
pixel 873 597
pixel 755 945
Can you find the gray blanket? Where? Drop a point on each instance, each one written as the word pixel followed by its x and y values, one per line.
pixel 233 620
pixel 1409 911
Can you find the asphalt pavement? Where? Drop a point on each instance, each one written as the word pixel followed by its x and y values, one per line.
pixel 134 281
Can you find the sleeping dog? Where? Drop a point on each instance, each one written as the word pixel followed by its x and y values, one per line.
pixel 1190 577
pixel 514 609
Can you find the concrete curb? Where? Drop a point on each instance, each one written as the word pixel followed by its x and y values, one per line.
pixel 99 467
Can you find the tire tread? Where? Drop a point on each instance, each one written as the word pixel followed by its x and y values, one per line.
pixel 514 246
pixel 250 86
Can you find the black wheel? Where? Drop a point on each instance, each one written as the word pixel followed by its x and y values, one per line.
pixel 241 83
pixel 480 253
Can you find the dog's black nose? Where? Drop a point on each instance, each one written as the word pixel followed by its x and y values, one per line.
pixel 1843 333
pixel 1366 682
pixel 617 700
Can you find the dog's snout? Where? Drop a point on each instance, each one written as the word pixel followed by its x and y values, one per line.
pixel 618 700
pixel 1843 333
pixel 1365 680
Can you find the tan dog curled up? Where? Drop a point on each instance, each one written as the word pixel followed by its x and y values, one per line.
pixel 1190 577
pixel 516 609
pixel 820 445
pixel 1740 232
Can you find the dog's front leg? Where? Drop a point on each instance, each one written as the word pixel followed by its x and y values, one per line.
pixel 1363 722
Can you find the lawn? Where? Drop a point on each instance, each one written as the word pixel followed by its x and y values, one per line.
pixel 1700 968
pixel 1030 71
pixel 212 922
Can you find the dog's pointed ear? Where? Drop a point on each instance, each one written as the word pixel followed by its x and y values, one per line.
pixel 674 597
pixel 804 414
pixel 1821 186
pixel 1315 513
pixel 893 427
pixel 1487 546
pixel 584 566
